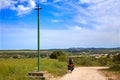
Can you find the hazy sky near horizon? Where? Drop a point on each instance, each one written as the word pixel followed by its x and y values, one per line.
pixel 63 24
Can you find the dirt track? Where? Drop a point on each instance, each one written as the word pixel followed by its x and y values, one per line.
pixel 84 73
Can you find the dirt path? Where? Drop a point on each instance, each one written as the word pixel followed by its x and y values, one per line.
pixel 84 73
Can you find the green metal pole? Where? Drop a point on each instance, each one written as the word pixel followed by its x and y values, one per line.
pixel 38 39
pixel 38 15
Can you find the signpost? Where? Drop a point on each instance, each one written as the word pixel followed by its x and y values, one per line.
pixel 38 13
pixel 42 75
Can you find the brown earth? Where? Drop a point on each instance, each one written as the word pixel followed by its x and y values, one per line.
pixel 84 73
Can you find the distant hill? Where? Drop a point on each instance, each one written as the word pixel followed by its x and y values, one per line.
pixel 70 50
pixel 93 50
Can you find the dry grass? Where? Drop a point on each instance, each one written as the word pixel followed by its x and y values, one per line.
pixel 110 75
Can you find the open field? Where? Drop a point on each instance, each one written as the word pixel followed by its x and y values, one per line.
pixel 17 69
pixel 15 64
pixel 23 53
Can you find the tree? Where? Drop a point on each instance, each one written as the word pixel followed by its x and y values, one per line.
pixel 116 58
pixel 103 61
pixel 56 54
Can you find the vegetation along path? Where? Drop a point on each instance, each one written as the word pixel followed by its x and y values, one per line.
pixel 84 73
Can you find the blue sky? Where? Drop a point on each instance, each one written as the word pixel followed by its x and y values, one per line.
pixel 63 24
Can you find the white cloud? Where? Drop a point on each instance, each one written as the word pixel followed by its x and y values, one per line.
pixel 74 27
pixel 102 15
pixel 107 14
pixel 23 10
pixel 42 1
pixel 7 3
pixel 98 14
pixel 55 1
pixel 77 28
pixel 90 1
pixel 4 3
pixel 32 3
pixel 56 21
pixel 20 8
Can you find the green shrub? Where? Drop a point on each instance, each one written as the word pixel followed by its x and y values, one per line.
pixel 116 59
pixel 63 58
pixel 103 61
pixel 115 67
pixel 56 54
pixel 95 63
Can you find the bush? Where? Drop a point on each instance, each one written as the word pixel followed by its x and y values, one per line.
pixel 103 61
pixel 116 59
pixel 86 61
pixel 63 58
pixel 83 61
pixel 56 54
pixel 115 67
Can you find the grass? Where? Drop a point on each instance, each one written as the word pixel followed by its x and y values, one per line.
pixel 17 69
pixel 112 73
